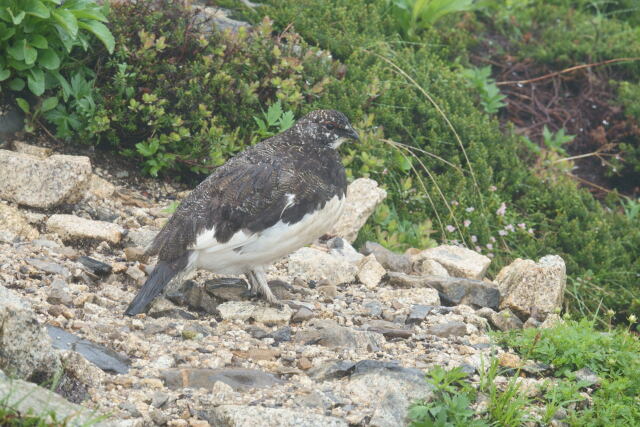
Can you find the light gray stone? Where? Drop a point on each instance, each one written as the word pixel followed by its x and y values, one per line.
pixel 32 150
pixel 101 188
pixel 430 267
pixel 314 264
pixel 389 260
pixel 25 347
pixel 458 261
pixel 370 272
pixel 448 329
pixel 341 248
pixel 533 289
pixel 424 296
pixel 363 196
pixel 142 236
pixel 328 333
pixel 505 320
pixel 72 228
pixel 239 379
pixel 13 221
pixel 251 416
pixel 30 181
pixel 245 310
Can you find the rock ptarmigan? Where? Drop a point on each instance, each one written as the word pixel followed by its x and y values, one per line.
pixel 268 201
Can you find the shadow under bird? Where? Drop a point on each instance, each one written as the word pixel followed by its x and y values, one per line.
pixel 268 201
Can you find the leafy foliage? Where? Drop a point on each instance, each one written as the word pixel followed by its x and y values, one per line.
pixel 490 96
pixel 275 121
pixel 412 16
pixel 38 37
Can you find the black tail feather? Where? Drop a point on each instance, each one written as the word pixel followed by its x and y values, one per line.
pixel 160 276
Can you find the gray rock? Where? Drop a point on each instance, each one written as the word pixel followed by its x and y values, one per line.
pixel 452 290
pixel 363 196
pixel 458 261
pixel 250 416
pixel 212 18
pixel 104 358
pixel 142 236
pixel 505 320
pixel 47 266
pixel 331 370
pixel 587 377
pixel 448 329
pixel 159 399
pixel 429 267
pixel 389 392
pixel 57 295
pixel 239 379
pixel 73 228
pixel 418 313
pixel 373 308
pixel 96 267
pixel 32 150
pixel 19 330
pixel 30 181
pixel 391 261
pixel 533 289
pixel 100 187
pixel 281 335
pixel 388 329
pixel 314 264
pixel 328 333
pixel 14 221
pixel 302 315
pixel 25 397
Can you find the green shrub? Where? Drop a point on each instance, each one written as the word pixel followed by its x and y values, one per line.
pixel 182 101
pixel 38 37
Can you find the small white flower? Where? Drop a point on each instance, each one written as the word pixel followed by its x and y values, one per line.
pixel 489 246
pixel 450 228
pixel 467 223
pixel 454 203
pixel 502 209
pixel 509 227
pixel 530 231
pixel 493 188
pixel 492 239
pixel 632 318
pixel 474 239
pixel 470 209
pixel 478 249
pixel 522 225
pixel 502 232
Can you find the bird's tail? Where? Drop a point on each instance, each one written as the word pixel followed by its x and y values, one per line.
pixel 160 276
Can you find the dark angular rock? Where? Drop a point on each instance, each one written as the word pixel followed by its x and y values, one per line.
pixel 281 335
pixel 98 268
pixel 104 358
pixel 418 313
pixel 388 329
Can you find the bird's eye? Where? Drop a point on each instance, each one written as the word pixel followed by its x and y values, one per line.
pixel 329 126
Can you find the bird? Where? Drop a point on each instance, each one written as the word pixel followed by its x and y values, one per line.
pixel 266 202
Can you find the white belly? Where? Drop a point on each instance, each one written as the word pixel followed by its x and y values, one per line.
pixel 245 251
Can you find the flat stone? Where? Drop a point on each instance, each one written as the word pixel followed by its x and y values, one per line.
pixel 391 261
pixel 239 379
pixel 370 272
pixel 25 397
pixel 373 308
pixel 19 332
pixel 134 253
pixel 587 377
pixel 430 267
pixel 452 290
pixel 28 180
pixel 142 236
pixel 302 315
pixel 314 264
pixel 13 221
pixel 245 310
pixel 72 228
pixel 363 196
pixel 104 358
pixel 533 289
pixel 448 329
pixel 47 266
pixel 101 188
pixel 281 335
pixel 328 333
pixel 246 416
pixel 388 329
pixel 32 150
pixel 458 261
pixel 400 298
pixel 341 248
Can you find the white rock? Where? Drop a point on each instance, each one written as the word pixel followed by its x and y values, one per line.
pixel 33 150
pixel 458 261
pixel 431 267
pixel 314 264
pixel 251 416
pixel 31 181
pixel 363 195
pixel 245 310
pixel 424 296
pixel 370 272
pixel 71 227
pixel 13 220
pixel 533 289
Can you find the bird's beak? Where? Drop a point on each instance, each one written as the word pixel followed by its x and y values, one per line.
pixel 353 134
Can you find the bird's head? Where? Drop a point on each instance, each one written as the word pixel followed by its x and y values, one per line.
pixel 327 127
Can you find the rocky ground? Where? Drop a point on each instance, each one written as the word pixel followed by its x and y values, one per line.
pixel 349 347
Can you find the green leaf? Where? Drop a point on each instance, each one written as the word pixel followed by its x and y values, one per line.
pixel 66 20
pixel 273 113
pixel 4 75
pixel 101 32
pixel 17 50
pixel 16 84
pixel 23 104
pixel 93 14
pixel 66 88
pixel 49 59
pixel 16 19
pixel 36 8
pixel 49 104
pixel 35 81
pixel 38 41
pixel 30 53
pixel 7 33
